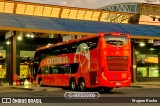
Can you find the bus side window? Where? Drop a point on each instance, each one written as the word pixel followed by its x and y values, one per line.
pixel 61 70
pixel 74 68
pixel 67 69
pixel 54 70
pixel 36 66
pixel 92 43
pixel 47 71
pixel 42 69
pixel 39 71
pixel 72 47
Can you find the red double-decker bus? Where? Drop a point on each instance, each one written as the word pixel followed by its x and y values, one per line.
pixel 99 61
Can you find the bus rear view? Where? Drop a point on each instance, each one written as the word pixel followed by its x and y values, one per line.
pixel 115 60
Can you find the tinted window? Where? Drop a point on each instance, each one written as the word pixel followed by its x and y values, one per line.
pixel 61 69
pixel 45 70
pixel 92 43
pixel 114 40
pixel 74 68
pixel 68 48
pixel 42 53
pixel 39 72
pixel 54 70
pixel 67 68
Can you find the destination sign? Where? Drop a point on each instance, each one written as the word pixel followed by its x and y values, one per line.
pixel 116 40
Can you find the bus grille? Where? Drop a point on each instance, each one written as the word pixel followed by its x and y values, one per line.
pixel 117 63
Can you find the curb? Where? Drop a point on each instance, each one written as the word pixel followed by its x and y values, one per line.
pixel 22 88
pixel 47 89
pixel 136 86
pixel 145 86
pixel 38 89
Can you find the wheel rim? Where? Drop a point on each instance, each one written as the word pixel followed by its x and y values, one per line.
pixel 73 85
pixel 82 86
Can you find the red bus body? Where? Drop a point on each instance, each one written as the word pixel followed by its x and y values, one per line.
pixel 105 65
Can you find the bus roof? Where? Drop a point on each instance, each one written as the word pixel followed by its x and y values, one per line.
pixel 66 42
pixel 75 40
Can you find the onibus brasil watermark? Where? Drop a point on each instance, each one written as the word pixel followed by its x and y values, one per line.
pixel 21 100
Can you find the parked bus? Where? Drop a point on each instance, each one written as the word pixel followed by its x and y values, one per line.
pixel 99 61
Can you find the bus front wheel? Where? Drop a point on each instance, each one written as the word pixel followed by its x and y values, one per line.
pixel 82 85
pixel 73 84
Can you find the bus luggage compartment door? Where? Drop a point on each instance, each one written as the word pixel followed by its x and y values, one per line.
pixel 93 76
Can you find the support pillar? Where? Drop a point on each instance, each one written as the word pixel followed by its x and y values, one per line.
pixel 13 59
pixel 51 35
pixel 16 52
pixel 57 36
pixel 9 60
pixel 134 62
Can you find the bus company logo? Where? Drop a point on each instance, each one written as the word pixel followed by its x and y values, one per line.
pixel 82 55
pixel 57 60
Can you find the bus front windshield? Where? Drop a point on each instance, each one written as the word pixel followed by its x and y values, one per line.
pixel 116 40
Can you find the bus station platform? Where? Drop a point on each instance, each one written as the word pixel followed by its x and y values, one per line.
pixel 37 88
pixel 155 84
pixel 45 88
pixel 31 87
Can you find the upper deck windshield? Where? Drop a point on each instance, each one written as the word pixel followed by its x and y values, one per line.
pixel 116 40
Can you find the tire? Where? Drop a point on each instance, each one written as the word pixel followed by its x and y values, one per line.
pixel 40 82
pixel 82 85
pixel 73 84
